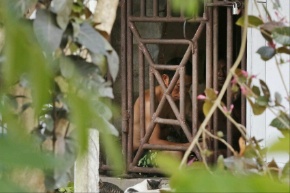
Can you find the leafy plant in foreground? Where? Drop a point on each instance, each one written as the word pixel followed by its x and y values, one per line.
pixel 245 171
pixel 54 88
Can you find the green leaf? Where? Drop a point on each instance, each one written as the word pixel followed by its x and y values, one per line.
pixel 104 110
pixel 257 109
pixel 113 151
pixel 272 25
pixel 285 176
pixel 253 21
pixel 67 68
pixel 242 79
pixel 93 40
pixel 62 84
pixel 282 35
pixel 220 163
pixel 262 101
pixel 278 99
pixel 113 62
pixel 46 30
pixel 40 77
pixel 83 67
pixel 211 94
pixel 256 90
pixel 281 122
pixel 105 91
pixel 206 107
pixel 20 7
pixel 25 57
pixel 283 50
pixel 22 151
pixel 76 29
pixel 167 162
pixel 191 8
pixel 73 47
pixel 81 116
pixel 235 88
pixel 61 189
pixel 104 125
pixel 266 52
pixel 267 28
pixel 101 62
pixel 265 88
pixel 281 145
pixel 7 186
pixel 62 10
pixel 197 179
pixel 77 7
pixel 62 20
pixel 60 6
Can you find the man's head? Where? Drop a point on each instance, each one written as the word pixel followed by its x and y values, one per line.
pixel 168 74
pixel 221 72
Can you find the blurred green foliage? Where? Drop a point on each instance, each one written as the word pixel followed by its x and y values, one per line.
pixel 196 178
pixel 64 62
pixel 247 171
pixel 190 8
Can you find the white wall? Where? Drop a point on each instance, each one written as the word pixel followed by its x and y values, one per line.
pixel 258 126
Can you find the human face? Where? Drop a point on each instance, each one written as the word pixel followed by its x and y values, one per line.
pixel 176 90
pixel 222 73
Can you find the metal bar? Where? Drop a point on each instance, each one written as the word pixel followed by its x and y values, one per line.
pixel 129 84
pixel 155 8
pixel 137 155
pixel 182 93
pixel 165 67
pixel 152 90
pixel 159 79
pixel 166 121
pixel 222 4
pixel 215 74
pixel 167 19
pixel 123 62
pixel 165 41
pixel 209 53
pixel 165 147
pixel 168 9
pixel 209 50
pixel 141 93
pixel 198 32
pixel 142 8
pixel 194 87
pixel 229 65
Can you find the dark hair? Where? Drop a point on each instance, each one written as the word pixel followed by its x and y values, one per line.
pixel 175 61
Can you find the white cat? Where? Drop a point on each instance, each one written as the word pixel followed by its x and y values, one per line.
pixel 146 186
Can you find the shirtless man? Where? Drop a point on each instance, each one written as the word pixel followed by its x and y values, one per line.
pixel 161 131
